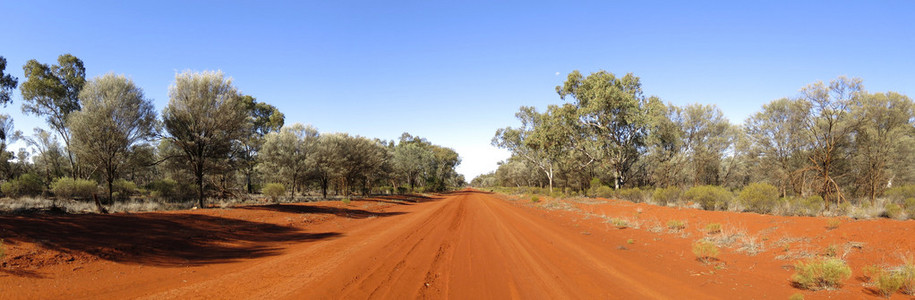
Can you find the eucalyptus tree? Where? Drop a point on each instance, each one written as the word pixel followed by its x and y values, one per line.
pixel 285 154
pixel 115 116
pixel 615 113
pixel 412 159
pixel 7 84
pixel 778 142
pixel 204 116
pixel 707 135
pixel 538 140
pixel 263 118
pixel 886 121
pixel 51 156
pixel 327 159
pixel 53 92
pixel 830 127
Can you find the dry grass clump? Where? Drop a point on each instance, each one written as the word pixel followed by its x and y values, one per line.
pixel 821 273
pixel 676 225
pixel 705 251
pixel 713 228
pixel 888 281
pixel 833 223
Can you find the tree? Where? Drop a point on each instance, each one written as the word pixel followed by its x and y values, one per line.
pixel 263 118
pixel 115 116
pixel 203 118
pixel 53 92
pixel 615 112
pixel 830 127
pixel 7 84
pixel 412 159
pixel 285 154
pixel 778 140
pixel 707 134
pixel 886 122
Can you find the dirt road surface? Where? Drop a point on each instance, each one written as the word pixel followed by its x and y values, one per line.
pixel 462 245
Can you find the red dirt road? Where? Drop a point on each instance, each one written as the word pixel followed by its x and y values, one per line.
pixel 462 245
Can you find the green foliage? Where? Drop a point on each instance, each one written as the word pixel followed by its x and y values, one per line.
pixel 26 185
pixel 893 210
pixel 593 185
pixel 759 197
pixel 535 199
pixel 910 207
pixel 663 196
pixel 604 192
pixel 899 193
pixel 274 191
pixel 619 223
pixel 7 84
pixel 709 197
pixel 67 187
pixel 888 282
pixel 821 273
pixel 345 201
pixel 810 206
pixel 168 189
pixel 796 296
pixel 705 251
pixel 2 249
pixel 635 194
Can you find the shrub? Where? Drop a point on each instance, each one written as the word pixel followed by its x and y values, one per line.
pixel 810 206
pixel 619 223
pixel 759 197
pixel 910 207
pixel 633 194
pixel 2 249
pixel 67 187
pixel 26 185
pixel 796 296
pixel 713 228
pixel 705 250
pixel 907 271
pixel 535 199
pixel 833 223
pixel 170 190
pixel 708 196
pixel 888 282
pixel 899 193
pixel 345 201
pixel 676 225
pixel 821 273
pixel 605 191
pixel 663 196
pixel 893 210
pixel 274 191
pixel 593 186
pixel 122 189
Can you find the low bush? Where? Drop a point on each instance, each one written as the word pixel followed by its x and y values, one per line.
pixel 821 273
pixel 123 189
pixel 535 199
pixel 705 251
pixel 759 197
pixel 604 191
pixel 274 191
pixel 67 187
pixel 888 282
pixel 709 197
pixel 809 206
pixel 26 185
pixel 899 193
pixel 910 207
pixel 676 225
pixel 169 190
pixel 893 210
pixel 635 194
pixel 796 296
pixel 713 228
pixel 345 201
pixel 663 196
pixel 619 223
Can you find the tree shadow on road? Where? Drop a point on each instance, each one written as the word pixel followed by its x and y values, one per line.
pixel 156 239
pixel 318 209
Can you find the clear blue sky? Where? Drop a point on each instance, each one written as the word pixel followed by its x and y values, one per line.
pixel 455 71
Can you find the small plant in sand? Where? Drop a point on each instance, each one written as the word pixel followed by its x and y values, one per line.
pixel 2 249
pixel 619 223
pixel 274 191
pixel 345 201
pixel 713 228
pixel 705 251
pixel 821 273
pixel 888 282
pixel 535 199
pixel 893 211
pixel 630 241
pixel 833 223
pixel 676 225
pixel 796 296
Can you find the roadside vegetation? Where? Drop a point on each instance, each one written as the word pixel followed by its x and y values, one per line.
pixel 833 149
pixel 108 149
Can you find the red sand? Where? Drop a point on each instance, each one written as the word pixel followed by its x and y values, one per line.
pixel 461 245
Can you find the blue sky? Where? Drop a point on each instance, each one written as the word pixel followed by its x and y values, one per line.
pixel 455 71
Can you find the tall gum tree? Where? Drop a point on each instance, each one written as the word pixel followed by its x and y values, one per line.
pixel 53 92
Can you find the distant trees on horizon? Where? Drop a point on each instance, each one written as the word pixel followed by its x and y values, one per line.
pixel 211 141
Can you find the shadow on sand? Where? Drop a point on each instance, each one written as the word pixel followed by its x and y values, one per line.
pixel 157 239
